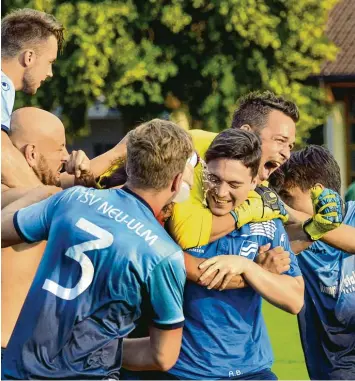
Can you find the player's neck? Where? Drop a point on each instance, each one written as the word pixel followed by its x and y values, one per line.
pixel 156 200
pixel 12 70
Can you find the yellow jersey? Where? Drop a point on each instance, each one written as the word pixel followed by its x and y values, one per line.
pixel 191 222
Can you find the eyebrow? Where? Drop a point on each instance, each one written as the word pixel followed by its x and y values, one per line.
pixel 229 182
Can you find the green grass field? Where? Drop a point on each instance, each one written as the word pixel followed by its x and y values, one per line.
pixel 283 330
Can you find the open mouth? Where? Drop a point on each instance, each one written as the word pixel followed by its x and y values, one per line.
pixel 269 167
pixel 272 165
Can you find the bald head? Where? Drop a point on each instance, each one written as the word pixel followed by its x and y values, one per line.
pixel 40 136
pixel 30 125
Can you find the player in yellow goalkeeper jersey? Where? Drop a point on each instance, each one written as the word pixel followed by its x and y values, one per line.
pixel 274 120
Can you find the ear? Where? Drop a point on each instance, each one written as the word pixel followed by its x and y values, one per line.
pixel 176 184
pixel 29 57
pixel 254 183
pixel 246 127
pixel 320 185
pixel 31 155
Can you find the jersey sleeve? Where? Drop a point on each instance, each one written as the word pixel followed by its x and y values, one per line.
pixel 191 222
pixel 281 239
pixel 33 222
pixel 7 104
pixel 165 287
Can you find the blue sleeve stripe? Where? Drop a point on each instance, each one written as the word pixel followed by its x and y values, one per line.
pixel 18 230
pixel 5 128
pixel 167 327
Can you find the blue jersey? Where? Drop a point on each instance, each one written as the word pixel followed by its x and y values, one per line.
pixel 225 334
pixel 107 260
pixel 327 320
pixel 7 101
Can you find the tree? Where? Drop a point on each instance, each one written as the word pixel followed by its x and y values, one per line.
pixel 193 57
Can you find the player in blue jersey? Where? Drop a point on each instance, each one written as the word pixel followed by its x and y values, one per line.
pixel 107 259
pixel 327 320
pixel 224 334
pixel 30 40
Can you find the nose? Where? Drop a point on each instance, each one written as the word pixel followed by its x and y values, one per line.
pixel 50 72
pixel 65 155
pixel 285 153
pixel 222 190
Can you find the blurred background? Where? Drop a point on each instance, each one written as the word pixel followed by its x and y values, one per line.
pixel 126 61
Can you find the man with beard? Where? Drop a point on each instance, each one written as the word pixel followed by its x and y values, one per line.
pixel 30 41
pixel 107 258
pixel 40 138
pixel 274 120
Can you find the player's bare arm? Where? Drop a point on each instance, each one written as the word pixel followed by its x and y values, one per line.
pixel 160 351
pixel 100 163
pixel 276 260
pixel 9 235
pixel 194 273
pixel 10 195
pixel 189 220
pixel 283 291
pixel 334 234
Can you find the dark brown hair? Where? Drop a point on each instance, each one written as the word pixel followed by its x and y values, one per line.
pixel 305 168
pixel 254 109
pixel 28 27
pixel 236 144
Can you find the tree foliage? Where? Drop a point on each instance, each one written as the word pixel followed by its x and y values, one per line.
pixel 199 56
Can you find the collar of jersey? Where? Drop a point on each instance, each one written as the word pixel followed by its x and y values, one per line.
pixel 139 198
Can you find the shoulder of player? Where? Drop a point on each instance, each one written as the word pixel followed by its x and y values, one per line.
pixel 7 86
pixel 202 140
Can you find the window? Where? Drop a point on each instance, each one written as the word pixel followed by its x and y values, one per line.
pixel 100 148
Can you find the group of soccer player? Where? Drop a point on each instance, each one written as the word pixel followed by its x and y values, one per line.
pixel 151 261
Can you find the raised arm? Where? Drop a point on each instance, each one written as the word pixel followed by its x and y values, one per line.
pixel 192 224
pixel 100 163
pixel 325 224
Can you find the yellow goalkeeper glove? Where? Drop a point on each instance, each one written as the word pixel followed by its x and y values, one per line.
pixel 263 204
pixel 328 212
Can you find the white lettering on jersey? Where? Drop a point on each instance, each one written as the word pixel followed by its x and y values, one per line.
pixel 88 197
pixel 76 252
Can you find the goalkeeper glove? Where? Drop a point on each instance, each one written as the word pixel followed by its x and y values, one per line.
pixel 263 204
pixel 328 213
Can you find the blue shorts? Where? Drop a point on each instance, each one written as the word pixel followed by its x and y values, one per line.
pixel 265 374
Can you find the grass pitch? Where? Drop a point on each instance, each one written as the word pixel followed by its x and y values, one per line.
pixel 286 344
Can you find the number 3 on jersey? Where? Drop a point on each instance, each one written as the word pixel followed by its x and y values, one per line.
pixel 76 252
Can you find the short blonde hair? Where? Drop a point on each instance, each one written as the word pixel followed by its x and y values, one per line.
pixel 156 152
pixel 24 27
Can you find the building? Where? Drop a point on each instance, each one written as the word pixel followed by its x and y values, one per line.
pixel 338 78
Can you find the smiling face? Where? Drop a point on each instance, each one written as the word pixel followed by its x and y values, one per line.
pixel 229 182
pixel 278 139
pixel 53 155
